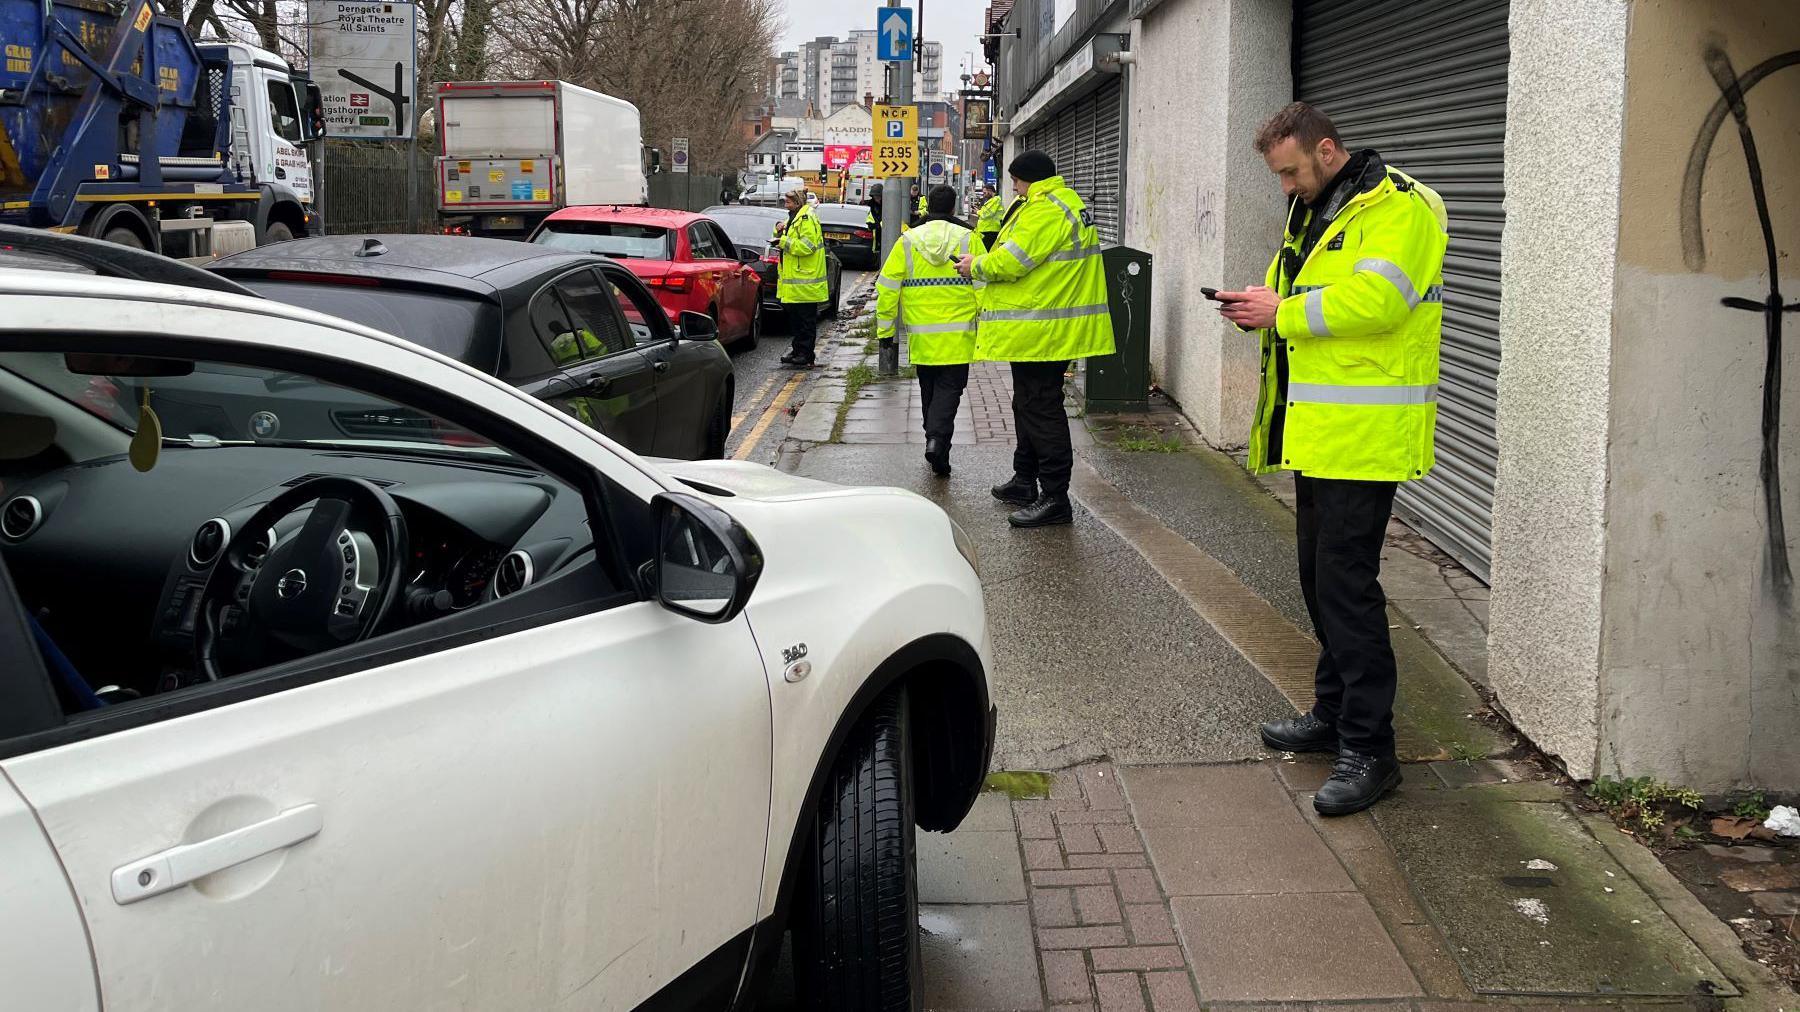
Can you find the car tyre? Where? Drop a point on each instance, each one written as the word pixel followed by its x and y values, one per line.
pixel 856 929
pixel 718 430
pixel 836 293
pixel 754 336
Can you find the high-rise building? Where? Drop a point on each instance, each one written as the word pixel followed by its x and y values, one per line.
pixel 815 73
pixel 790 76
pixel 928 83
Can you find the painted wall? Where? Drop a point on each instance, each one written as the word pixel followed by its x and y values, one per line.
pixel 1198 197
pixel 1701 654
pixel 1558 253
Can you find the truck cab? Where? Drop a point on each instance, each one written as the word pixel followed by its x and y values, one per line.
pixel 271 127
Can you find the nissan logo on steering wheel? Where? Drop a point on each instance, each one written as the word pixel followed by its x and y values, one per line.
pixel 292 585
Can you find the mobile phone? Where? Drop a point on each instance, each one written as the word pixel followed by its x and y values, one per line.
pixel 1212 294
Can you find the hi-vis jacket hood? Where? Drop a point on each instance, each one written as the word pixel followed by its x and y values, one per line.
pixel 937 241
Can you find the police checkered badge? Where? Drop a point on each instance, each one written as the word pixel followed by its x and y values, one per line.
pixel 1087 220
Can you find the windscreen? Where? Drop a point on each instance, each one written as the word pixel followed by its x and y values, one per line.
pixel 748 229
pixel 464 328
pixel 616 239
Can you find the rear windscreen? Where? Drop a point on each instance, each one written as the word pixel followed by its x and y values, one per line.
pixel 609 238
pixel 464 328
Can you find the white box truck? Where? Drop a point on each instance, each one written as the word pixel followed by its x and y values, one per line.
pixel 514 151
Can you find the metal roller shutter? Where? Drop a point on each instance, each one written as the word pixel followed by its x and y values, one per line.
pixel 1424 83
pixel 1085 141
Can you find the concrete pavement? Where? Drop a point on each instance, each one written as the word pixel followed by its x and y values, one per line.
pixel 1173 863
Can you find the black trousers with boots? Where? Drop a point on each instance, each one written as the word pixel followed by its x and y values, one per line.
pixel 1342 526
pixel 1044 452
pixel 803 324
pixel 940 393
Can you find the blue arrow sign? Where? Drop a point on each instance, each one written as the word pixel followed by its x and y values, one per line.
pixel 894 30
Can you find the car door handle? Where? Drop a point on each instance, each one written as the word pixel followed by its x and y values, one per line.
pixel 597 384
pixel 178 866
pixel 660 365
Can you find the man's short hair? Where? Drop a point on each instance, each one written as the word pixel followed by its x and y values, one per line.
pixel 1300 121
pixel 941 200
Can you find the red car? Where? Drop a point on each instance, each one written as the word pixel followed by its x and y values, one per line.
pixel 686 259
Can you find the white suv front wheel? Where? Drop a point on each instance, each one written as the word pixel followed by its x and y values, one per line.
pixel 856 928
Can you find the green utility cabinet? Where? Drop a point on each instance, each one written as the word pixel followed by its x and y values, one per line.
pixel 1121 381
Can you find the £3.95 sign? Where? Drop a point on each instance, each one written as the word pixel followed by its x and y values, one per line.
pixel 896 140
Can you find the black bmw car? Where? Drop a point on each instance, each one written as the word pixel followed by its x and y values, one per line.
pixel 573 329
pixel 753 229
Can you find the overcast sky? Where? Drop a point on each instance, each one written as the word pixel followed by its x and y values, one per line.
pixel 955 23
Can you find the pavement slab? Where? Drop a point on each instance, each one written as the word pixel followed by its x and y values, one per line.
pixel 1532 904
pixel 1291 948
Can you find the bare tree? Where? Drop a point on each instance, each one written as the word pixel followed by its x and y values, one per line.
pixel 692 67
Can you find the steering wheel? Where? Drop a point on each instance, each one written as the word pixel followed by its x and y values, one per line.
pixel 333 582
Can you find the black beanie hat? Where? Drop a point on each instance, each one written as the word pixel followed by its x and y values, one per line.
pixel 1032 166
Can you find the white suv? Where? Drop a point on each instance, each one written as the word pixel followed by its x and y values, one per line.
pixel 468 708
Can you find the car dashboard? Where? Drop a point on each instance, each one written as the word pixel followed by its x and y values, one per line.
pixel 113 562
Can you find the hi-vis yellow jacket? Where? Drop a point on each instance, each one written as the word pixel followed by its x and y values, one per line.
pixel 924 299
pixel 990 216
pixel 1350 369
pixel 1045 294
pixel 802 275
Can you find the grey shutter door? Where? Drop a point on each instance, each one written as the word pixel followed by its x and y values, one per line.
pixel 1424 83
pixel 1084 140
pixel 1103 199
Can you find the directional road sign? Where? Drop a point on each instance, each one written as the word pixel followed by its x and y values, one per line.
pixel 894 29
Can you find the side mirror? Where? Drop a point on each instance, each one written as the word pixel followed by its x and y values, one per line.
pixel 706 564
pixel 698 327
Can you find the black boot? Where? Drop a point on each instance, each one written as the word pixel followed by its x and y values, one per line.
pixel 791 357
pixel 1305 733
pixel 1357 781
pixel 1019 491
pixel 1047 511
pixel 937 452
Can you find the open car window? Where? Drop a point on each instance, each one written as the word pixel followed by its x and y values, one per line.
pixel 268 519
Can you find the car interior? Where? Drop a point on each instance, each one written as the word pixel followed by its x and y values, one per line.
pixel 155 550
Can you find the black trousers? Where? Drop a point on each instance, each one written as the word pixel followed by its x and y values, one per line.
pixel 803 324
pixel 941 389
pixel 1044 452
pixel 1342 526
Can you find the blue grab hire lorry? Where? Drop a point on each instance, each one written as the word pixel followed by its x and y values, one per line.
pixel 114 124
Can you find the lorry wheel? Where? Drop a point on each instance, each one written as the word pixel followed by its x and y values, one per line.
pixel 277 232
pixel 123 236
pixel 856 929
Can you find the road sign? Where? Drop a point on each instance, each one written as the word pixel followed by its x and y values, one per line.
pixel 936 171
pixel 896 140
pixel 364 56
pixel 680 154
pixel 894 30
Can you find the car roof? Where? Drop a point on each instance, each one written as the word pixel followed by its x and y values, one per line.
pixel 857 211
pixel 479 266
pixel 666 217
pixel 748 209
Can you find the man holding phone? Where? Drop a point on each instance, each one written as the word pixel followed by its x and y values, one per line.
pixel 1350 316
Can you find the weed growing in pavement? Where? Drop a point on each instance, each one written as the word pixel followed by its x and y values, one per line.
pixel 1642 802
pixel 1465 753
pixel 1136 439
pixel 1750 805
pixel 860 375
pixel 1019 785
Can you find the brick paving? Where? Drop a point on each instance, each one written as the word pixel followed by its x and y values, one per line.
pixel 891 410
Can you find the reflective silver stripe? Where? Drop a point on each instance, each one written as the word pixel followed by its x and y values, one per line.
pixel 1315 313
pixel 964 251
pixel 1073 254
pixel 935 282
pixel 1333 393
pixel 1074 219
pixel 1019 251
pixel 1069 313
pixel 959 327
pixel 803 281
pixel 1396 277
pixel 907 246
pixel 887 282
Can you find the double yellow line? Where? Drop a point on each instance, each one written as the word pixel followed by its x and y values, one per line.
pixel 772 412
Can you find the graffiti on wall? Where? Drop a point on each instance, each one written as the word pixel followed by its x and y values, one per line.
pixel 1731 104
